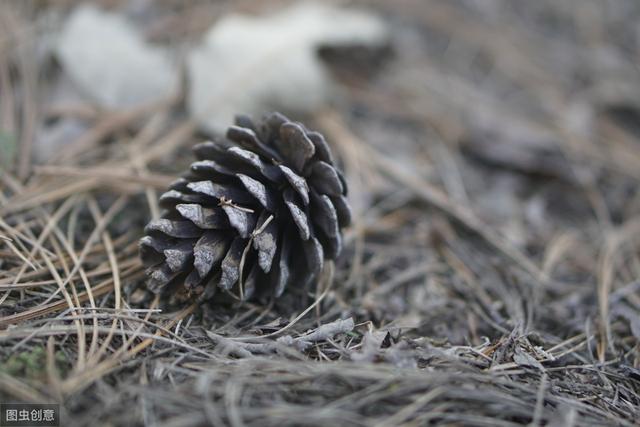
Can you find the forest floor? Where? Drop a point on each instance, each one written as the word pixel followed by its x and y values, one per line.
pixel 491 276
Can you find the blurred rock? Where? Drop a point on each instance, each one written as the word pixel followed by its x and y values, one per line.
pixel 253 64
pixel 110 61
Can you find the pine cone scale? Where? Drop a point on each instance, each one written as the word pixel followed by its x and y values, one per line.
pixel 294 145
pixel 204 218
pixel 178 229
pixel 314 255
pixel 177 258
pixel 265 242
pixel 282 273
pixel 249 141
pixel 343 210
pixel 328 224
pixel 259 191
pixel 209 168
pixel 297 182
pixel 323 153
pixel 231 263
pixel 209 251
pixel 220 192
pixel 244 222
pixel 297 214
pixel 270 172
pixel 172 197
pixel 325 179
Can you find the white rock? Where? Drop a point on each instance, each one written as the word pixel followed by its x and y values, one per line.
pixel 255 64
pixel 110 61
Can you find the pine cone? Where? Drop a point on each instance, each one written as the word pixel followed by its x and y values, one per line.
pixel 262 209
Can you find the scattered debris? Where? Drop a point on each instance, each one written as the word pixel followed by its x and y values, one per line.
pixel 257 345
